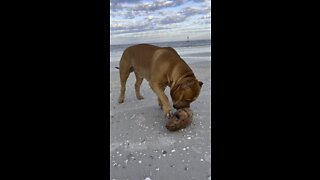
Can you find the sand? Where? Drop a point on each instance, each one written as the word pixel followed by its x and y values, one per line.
pixel 141 147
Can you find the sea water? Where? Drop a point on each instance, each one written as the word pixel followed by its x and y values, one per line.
pixel 190 51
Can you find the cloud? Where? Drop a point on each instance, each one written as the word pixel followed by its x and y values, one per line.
pixel 183 15
pixel 129 15
pixel 199 0
pixel 188 11
pixel 172 19
pixel 115 7
pixel 206 16
pixel 125 27
pixel 124 1
pixel 131 18
pixel 157 4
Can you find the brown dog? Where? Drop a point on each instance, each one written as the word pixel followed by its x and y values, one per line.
pixel 161 67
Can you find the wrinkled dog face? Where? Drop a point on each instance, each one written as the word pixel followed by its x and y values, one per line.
pixel 185 94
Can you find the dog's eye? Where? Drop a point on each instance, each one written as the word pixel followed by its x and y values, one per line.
pixel 177 115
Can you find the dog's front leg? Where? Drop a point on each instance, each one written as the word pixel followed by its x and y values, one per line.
pixel 163 98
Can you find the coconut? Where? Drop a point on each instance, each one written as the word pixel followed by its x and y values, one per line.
pixel 180 119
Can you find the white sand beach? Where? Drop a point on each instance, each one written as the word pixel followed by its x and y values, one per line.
pixel 141 146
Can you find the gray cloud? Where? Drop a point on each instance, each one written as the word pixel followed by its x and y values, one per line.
pixel 124 1
pixel 157 4
pixel 188 11
pixel 206 16
pixel 133 27
pixel 130 15
pixel 116 5
pixel 172 19
pixel 183 15
pixel 199 0
pixel 152 21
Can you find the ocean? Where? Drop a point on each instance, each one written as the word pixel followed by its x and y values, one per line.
pixel 190 51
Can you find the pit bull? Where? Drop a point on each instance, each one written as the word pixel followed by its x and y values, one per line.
pixel 161 67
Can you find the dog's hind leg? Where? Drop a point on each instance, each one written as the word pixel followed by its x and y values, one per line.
pixel 125 70
pixel 123 79
pixel 137 86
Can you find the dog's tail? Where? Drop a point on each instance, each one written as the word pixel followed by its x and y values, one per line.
pixel 117 67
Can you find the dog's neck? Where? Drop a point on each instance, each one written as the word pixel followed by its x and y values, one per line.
pixel 175 84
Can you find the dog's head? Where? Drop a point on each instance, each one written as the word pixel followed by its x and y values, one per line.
pixel 185 93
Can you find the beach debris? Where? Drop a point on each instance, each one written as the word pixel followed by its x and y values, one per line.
pixel 181 119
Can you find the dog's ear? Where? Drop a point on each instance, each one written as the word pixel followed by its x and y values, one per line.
pixel 187 84
pixel 200 83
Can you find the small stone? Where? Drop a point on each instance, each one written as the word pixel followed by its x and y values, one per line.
pixel 164 152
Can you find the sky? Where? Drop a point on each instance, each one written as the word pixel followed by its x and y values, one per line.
pixel 148 21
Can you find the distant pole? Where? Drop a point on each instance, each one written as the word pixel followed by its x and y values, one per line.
pixel 188 41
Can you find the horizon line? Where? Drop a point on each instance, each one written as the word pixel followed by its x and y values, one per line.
pixel 161 42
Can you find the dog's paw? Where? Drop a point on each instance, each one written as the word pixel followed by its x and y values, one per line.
pixel 169 114
pixel 140 97
pixel 120 100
